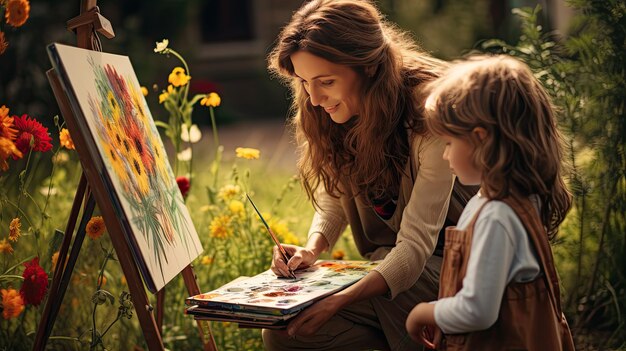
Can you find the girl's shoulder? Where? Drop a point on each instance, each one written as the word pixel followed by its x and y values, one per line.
pixel 491 212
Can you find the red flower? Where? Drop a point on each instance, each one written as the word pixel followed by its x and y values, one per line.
pixel 183 185
pixel 35 283
pixel 29 130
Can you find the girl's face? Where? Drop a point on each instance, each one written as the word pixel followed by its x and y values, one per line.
pixel 331 86
pixel 460 154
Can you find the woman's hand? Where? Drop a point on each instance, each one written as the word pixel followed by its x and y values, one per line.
pixel 309 321
pixel 300 257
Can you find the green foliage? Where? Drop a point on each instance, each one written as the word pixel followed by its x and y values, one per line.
pixel 585 74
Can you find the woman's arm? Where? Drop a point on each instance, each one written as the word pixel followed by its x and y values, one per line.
pixel 422 218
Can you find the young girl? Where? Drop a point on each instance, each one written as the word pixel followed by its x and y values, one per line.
pixel 366 160
pixel 498 285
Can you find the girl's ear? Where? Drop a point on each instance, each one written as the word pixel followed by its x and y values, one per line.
pixel 480 132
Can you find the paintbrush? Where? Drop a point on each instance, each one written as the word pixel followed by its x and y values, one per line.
pixel 281 249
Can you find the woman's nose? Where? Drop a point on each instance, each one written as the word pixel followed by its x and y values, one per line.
pixel 315 96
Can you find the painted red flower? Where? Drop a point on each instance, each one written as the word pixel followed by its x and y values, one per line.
pixel 183 185
pixel 30 131
pixel 35 283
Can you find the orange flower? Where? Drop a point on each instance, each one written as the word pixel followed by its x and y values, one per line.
pixel 17 12
pixel 66 139
pixel 5 247
pixel 95 227
pixel 3 43
pixel 7 149
pixel 14 229
pixel 54 259
pixel 7 129
pixel 12 303
pixel 338 255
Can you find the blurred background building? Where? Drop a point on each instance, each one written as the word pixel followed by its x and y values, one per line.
pixel 226 42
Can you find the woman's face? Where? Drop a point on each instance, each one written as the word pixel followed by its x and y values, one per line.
pixel 336 88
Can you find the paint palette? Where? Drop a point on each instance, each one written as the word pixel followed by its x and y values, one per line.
pixel 267 294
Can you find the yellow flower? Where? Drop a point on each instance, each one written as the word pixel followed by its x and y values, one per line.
pixel 338 255
pixel 220 227
pixel 12 303
pixel 123 280
pixel 14 229
pixel 211 99
pixel 144 91
pixel 248 153
pixel 7 149
pixel 54 259
pixel 178 77
pixel 66 139
pixel 290 239
pixel 206 260
pixel 165 94
pixel 236 207
pixel 95 227
pixel 3 43
pixel 229 191
pixel 5 247
pixel 17 12
pixel 161 46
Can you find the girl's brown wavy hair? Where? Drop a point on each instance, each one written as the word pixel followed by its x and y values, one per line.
pixel 367 154
pixel 521 154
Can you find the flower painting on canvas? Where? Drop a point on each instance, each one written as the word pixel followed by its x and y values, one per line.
pixel 105 91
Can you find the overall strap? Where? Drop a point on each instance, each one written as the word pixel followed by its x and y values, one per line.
pixel 536 231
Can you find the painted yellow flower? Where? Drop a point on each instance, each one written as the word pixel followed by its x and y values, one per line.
pixel 17 12
pixel 220 227
pixel 15 229
pixel 5 247
pixel 144 91
pixel 228 192
pixel 7 149
pixel 338 254
pixel 66 139
pixel 12 303
pixel 161 46
pixel 140 178
pixel 118 163
pixel 178 77
pixel 166 93
pixel 95 227
pixel 237 208
pixel 211 99
pixel 247 153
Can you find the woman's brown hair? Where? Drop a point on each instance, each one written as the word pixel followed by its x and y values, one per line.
pixel 368 154
pixel 521 154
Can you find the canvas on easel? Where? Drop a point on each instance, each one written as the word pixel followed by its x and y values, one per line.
pixel 129 157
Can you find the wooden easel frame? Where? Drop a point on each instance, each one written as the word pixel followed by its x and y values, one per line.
pixel 91 190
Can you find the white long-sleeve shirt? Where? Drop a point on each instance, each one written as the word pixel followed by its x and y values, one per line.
pixel 501 253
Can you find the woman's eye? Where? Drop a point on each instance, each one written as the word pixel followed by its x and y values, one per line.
pixel 327 82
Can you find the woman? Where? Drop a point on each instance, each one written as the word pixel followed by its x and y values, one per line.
pixel 366 160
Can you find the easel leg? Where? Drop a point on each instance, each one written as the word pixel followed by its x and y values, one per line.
pixel 65 265
pixel 206 335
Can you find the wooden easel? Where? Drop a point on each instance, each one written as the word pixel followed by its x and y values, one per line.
pixel 92 190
